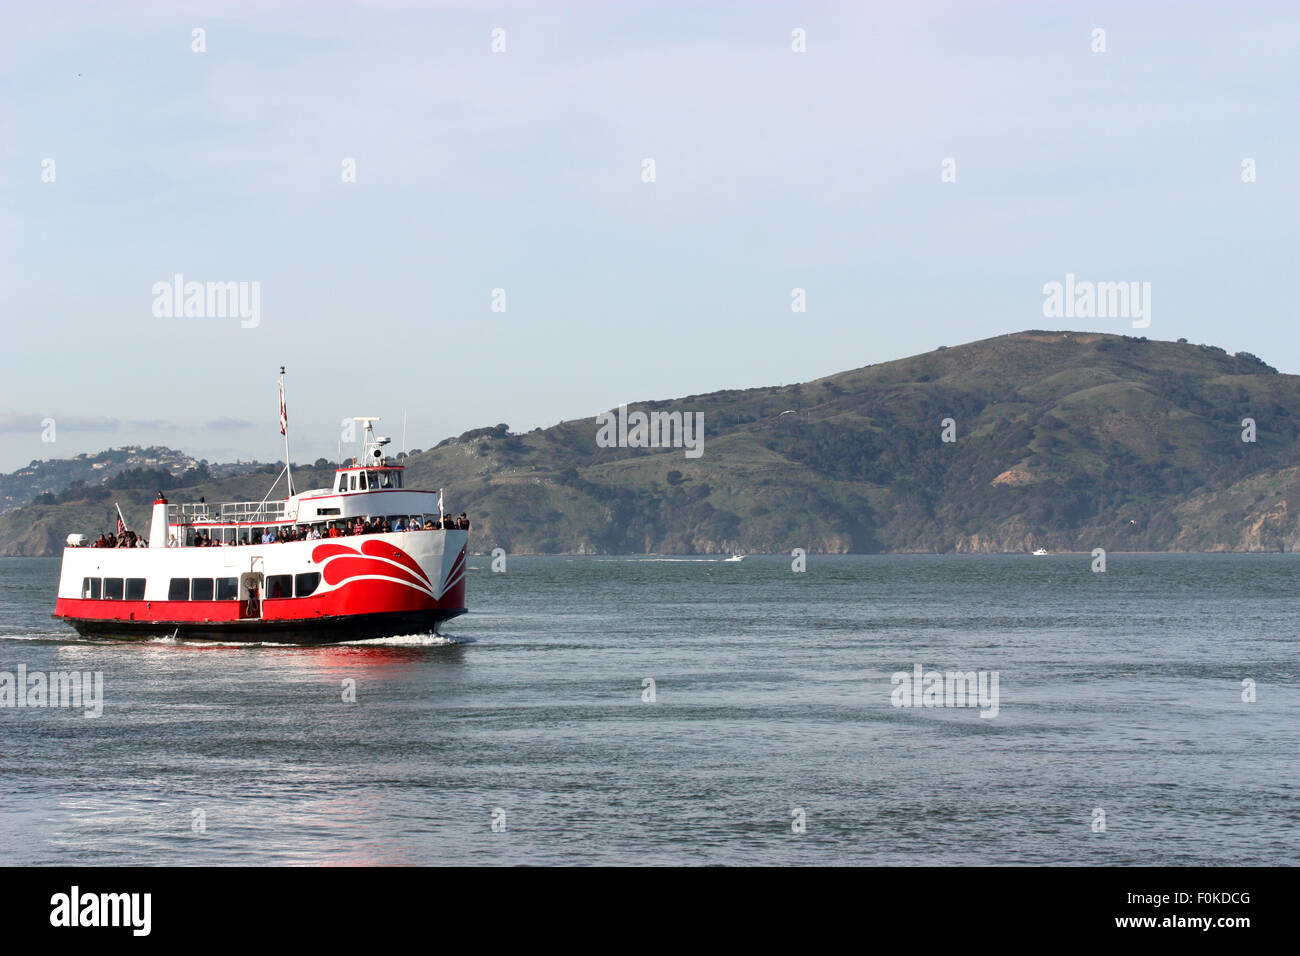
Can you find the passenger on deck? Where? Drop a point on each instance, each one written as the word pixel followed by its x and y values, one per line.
pixel 400 525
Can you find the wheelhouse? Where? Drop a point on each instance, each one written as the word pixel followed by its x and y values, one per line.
pixel 354 478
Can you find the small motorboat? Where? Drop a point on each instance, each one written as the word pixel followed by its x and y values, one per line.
pixel 736 557
pixel 1040 551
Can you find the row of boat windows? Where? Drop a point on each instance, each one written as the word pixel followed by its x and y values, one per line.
pixel 358 480
pixel 112 589
pixel 198 589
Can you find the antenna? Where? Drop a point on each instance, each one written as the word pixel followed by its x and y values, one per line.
pixel 367 436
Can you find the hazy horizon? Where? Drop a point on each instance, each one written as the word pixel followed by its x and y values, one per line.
pixel 130 157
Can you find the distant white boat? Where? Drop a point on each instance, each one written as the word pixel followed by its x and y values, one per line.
pixel 1040 551
pixel 736 557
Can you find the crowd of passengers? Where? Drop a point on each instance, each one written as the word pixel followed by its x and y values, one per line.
pixel 341 529
pixel 125 539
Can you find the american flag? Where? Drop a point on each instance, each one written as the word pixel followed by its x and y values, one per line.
pixel 284 415
pixel 121 522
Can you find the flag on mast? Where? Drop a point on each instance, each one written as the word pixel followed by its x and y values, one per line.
pixel 439 504
pixel 121 522
pixel 284 430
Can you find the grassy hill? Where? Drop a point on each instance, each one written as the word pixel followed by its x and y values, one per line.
pixel 1068 441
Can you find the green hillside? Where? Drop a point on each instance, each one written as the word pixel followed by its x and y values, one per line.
pixel 1068 441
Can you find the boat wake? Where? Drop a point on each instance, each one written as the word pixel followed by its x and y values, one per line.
pixel 674 560
pixel 170 641
pixel 411 640
pixel 397 640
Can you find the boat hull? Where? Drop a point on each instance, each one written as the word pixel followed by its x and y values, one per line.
pixel 321 630
pixel 313 592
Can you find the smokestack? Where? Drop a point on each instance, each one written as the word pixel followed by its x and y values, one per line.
pixel 158 526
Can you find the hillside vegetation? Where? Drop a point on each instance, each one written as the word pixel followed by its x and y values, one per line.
pixel 1068 441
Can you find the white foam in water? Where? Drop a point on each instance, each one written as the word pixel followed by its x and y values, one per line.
pixel 412 640
pixel 676 560
pixel 184 642
pixel 398 640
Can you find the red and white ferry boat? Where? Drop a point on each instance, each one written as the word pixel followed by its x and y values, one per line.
pixel 215 572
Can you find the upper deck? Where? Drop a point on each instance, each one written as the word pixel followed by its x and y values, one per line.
pixel 371 491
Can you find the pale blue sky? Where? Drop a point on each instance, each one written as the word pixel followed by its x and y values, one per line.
pixel 522 170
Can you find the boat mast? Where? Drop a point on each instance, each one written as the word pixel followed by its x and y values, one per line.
pixel 284 430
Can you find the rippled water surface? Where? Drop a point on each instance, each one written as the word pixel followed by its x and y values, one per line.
pixel 1119 691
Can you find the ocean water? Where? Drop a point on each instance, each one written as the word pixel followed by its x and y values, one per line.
pixel 525 735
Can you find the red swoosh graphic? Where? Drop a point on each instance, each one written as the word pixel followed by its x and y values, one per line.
pixel 454 575
pixel 343 568
pixel 323 551
pixel 381 549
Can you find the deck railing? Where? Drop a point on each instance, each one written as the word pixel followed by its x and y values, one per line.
pixel 229 512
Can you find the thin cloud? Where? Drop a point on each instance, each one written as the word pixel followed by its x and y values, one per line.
pixel 155 424
pixel 17 423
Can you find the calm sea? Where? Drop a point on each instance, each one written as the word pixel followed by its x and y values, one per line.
pixel 527 734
